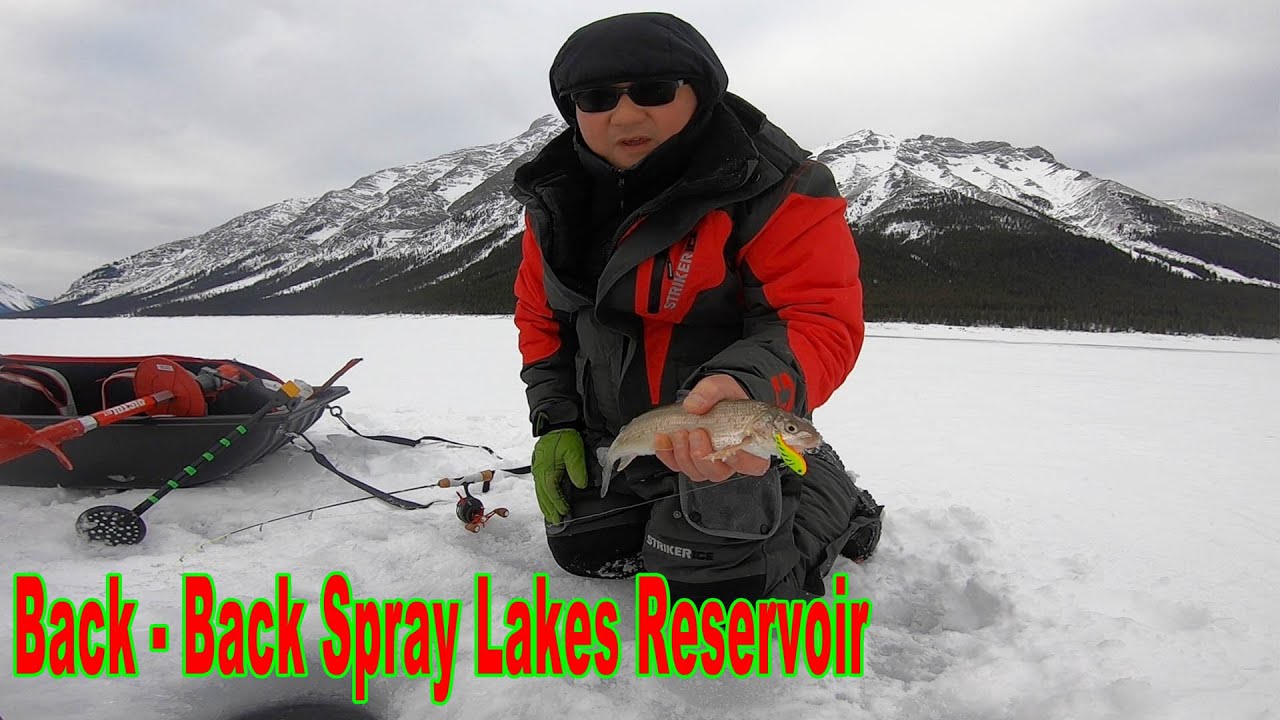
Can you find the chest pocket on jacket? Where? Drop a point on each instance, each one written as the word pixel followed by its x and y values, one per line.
pixel 669 283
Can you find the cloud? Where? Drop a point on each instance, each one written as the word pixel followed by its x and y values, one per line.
pixel 129 124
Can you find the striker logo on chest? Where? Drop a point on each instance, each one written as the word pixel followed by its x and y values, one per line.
pixel 681 275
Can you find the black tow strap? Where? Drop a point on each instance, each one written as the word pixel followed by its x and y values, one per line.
pixel 336 411
pixel 386 497
pixel 403 503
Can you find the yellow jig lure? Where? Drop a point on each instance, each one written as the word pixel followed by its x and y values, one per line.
pixel 793 459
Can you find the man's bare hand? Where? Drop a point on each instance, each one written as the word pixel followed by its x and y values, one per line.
pixel 683 451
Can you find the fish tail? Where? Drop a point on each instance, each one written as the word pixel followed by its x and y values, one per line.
pixel 609 471
pixel 607 475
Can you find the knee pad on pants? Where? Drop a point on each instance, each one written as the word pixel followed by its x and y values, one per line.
pixel 602 537
pixel 716 534
pixel 611 552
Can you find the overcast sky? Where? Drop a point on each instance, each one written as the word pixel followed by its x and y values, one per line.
pixel 124 125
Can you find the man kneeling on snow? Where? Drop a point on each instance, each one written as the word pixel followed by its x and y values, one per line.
pixel 677 241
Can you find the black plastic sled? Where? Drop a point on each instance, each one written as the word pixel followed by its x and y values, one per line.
pixel 142 451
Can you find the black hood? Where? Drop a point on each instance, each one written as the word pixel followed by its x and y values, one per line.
pixel 636 46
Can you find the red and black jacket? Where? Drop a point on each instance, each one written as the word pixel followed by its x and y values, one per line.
pixel 746 266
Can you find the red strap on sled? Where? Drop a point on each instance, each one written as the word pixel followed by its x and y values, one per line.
pixel 162 387
pixel 32 385
pixel 46 381
pixel 115 377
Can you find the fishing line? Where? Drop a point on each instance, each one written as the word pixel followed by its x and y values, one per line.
pixel 707 485
pixel 443 483
pixel 463 481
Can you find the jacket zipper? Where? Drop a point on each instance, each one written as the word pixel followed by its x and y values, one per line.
pixel 661 269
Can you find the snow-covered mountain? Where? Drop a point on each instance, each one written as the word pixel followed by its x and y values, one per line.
pixel 14 300
pixel 881 174
pixel 1230 218
pixel 400 216
pixel 399 233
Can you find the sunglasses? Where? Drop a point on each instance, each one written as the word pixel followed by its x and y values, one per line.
pixel 649 93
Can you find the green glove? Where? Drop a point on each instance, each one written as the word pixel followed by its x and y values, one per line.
pixel 553 454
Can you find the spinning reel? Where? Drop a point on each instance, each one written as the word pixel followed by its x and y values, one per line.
pixel 471 511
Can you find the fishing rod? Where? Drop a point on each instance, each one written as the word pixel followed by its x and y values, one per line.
pixel 469 509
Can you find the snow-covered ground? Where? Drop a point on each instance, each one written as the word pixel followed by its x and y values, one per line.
pixel 1078 526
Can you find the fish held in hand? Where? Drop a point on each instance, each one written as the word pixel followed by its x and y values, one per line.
pixel 735 426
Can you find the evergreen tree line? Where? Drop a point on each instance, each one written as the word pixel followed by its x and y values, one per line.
pixel 1209 243
pixel 1017 272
